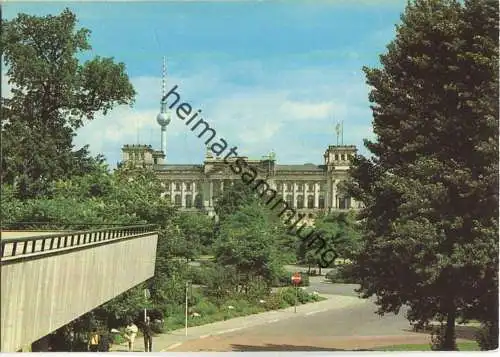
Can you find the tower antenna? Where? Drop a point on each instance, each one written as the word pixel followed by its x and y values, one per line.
pixel 164 78
pixel 163 118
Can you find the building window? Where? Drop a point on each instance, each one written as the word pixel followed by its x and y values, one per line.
pixel 344 202
pixel 178 200
pixel 177 186
pixel 198 201
pixel 321 202
pixel 288 186
pixel 343 156
pixel 167 185
pixel 188 187
pixel 300 201
pixel 188 201
pixel 289 200
pixel 310 201
pixel 300 186
pixel 336 157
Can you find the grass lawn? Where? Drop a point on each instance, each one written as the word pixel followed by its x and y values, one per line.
pixel 462 346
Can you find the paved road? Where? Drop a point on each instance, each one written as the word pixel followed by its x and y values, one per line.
pixel 318 284
pixel 350 327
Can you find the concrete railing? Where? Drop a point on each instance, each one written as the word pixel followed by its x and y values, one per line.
pixel 27 246
pixel 49 280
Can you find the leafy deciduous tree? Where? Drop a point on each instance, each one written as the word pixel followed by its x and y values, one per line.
pixel 52 95
pixel 431 187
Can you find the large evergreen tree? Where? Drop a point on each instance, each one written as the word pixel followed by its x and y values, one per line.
pixel 52 96
pixel 430 187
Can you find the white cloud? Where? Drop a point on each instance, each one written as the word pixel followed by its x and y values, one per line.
pixel 291 112
pixel 304 110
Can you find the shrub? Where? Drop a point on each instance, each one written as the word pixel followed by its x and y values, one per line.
pixel 257 289
pixel 274 302
pixel 198 275
pixel 204 307
pixel 288 295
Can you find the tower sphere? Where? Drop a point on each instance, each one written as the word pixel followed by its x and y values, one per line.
pixel 163 119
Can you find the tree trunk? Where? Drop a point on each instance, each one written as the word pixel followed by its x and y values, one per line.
pixel 309 268
pixel 319 268
pixel 449 340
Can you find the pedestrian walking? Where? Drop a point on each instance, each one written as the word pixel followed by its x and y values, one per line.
pixel 130 333
pixel 94 342
pixel 105 342
pixel 148 335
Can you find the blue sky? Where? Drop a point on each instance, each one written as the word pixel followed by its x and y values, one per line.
pixel 268 75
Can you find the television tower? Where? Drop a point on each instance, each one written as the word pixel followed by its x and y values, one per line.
pixel 163 118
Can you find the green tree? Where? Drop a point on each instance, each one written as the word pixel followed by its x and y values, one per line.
pixel 248 242
pixel 234 198
pixel 338 231
pixel 196 234
pixel 431 187
pixel 343 230
pixel 52 96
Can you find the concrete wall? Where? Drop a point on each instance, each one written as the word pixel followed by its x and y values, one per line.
pixel 44 292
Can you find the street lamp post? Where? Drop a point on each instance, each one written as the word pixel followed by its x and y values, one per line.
pixel 146 296
pixel 186 317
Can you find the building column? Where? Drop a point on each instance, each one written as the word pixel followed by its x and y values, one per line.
pixel 206 193
pixel 328 187
pixel 172 186
pixel 183 195
pixel 294 195
pixel 211 193
pixel 305 194
pixel 334 199
pixel 193 195
pixel 316 195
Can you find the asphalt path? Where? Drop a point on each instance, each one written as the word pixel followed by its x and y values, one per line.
pixel 320 285
pixel 350 327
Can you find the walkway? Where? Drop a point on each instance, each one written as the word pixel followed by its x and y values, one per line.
pixel 175 338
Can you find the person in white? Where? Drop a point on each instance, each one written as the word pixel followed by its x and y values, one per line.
pixel 130 333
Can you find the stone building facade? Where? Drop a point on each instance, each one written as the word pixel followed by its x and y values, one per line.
pixel 308 188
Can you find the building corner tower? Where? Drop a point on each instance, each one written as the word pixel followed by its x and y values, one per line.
pixel 163 118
